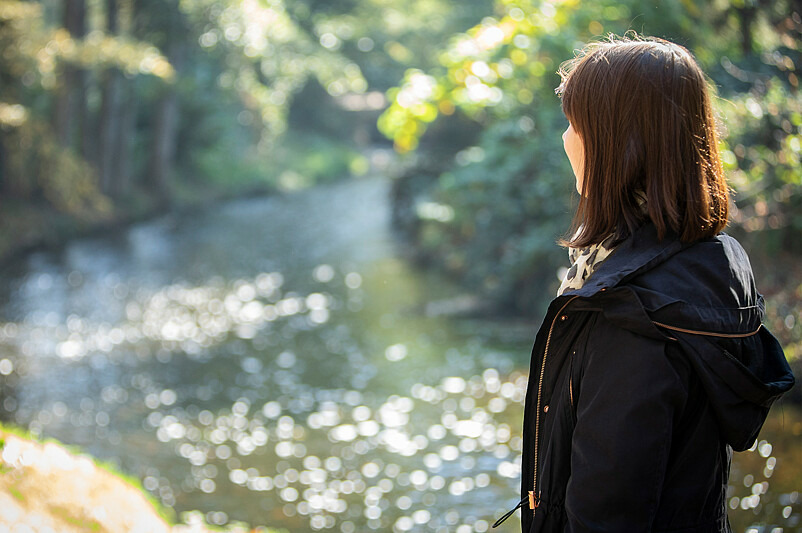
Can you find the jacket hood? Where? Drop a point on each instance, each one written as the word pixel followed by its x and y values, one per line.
pixel 702 295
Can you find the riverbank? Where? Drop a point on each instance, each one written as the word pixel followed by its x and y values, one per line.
pixel 46 486
pixel 300 161
pixel 30 227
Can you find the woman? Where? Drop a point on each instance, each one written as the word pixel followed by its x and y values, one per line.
pixel 651 365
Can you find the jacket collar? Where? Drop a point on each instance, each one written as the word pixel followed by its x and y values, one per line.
pixel 636 254
pixel 708 288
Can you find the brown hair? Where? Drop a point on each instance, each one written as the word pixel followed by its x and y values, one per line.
pixel 643 112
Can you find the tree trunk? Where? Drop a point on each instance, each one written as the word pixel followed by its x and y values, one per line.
pixel 3 164
pixel 110 114
pixel 166 127
pixel 163 147
pixel 64 107
pixel 746 16
pixel 121 168
pixel 70 103
pixel 109 127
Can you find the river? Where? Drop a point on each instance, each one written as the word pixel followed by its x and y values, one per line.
pixel 277 361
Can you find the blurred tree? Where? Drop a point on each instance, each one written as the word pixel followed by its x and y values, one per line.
pixel 223 75
pixel 110 121
pixel 162 23
pixel 43 68
pixel 71 120
pixel 305 57
pixel 385 37
pixel 762 110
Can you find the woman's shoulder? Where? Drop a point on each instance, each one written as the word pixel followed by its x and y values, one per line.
pixel 708 285
pixel 718 264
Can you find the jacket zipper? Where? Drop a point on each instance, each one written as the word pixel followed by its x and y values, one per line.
pixel 535 500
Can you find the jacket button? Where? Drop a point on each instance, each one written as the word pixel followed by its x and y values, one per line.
pixel 563 317
pixel 546 409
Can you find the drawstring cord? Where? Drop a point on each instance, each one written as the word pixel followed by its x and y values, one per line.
pixel 509 513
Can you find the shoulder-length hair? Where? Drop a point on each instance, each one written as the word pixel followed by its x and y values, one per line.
pixel 642 109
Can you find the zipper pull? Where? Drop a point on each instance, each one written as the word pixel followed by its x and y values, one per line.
pixel 509 513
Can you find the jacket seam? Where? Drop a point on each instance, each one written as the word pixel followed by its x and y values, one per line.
pixel 708 333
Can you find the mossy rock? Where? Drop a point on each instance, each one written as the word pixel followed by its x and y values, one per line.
pixel 48 488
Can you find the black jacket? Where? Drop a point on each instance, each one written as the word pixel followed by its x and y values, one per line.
pixel 641 384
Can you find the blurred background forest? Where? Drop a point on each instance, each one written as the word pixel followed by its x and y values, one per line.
pixel 119 111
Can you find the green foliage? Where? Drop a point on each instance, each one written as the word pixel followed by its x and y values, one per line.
pixel 783 316
pixel 36 166
pixel 303 160
pixel 160 99
pixel 508 197
pixel 494 218
pixel 64 180
pixel 385 37
pixel 98 51
pixel 296 162
pixel 33 51
pixel 763 160
pixel 268 57
pixel 505 64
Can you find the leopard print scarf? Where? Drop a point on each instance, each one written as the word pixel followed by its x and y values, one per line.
pixel 583 262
